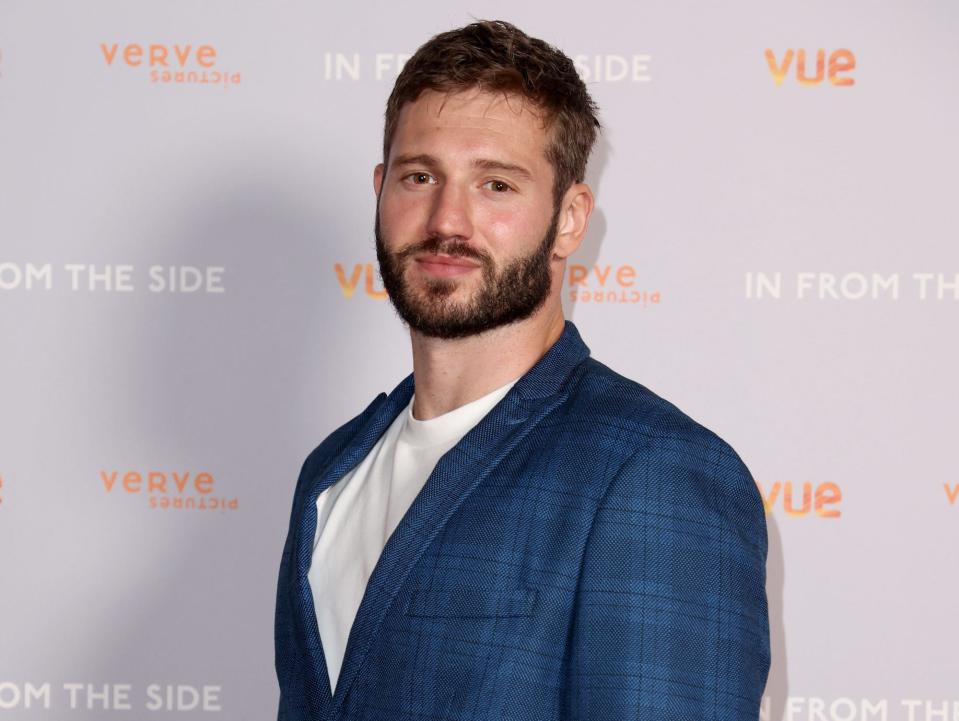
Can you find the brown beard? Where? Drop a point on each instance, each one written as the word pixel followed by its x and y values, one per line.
pixel 512 294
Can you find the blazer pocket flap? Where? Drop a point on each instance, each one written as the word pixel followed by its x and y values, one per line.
pixel 472 603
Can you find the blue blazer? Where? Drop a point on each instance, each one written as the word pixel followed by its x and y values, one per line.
pixel 587 552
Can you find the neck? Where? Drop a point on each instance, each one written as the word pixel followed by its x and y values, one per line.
pixel 451 373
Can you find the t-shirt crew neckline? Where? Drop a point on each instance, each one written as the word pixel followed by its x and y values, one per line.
pixel 453 424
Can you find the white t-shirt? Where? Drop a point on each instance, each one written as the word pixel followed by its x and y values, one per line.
pixel 357 514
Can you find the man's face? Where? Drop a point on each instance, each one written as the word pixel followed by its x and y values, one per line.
pixel 465 221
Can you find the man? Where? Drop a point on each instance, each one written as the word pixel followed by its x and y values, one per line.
pixel 529 535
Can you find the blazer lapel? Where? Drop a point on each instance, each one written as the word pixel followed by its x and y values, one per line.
pixel 379 419
pixel 544 387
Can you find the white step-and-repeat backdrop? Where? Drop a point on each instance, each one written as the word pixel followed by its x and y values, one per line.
pixel 189 303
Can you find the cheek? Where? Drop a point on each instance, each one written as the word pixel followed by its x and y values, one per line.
pixel 507 228
pixel 399 215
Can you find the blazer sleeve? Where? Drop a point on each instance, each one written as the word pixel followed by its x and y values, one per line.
pixel 670 619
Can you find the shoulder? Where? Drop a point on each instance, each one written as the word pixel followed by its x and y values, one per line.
pixel 620 407
pixel 663 454
pixel 336 441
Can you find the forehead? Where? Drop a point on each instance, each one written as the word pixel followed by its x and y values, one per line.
pixel 471 120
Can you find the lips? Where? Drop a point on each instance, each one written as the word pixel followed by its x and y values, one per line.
pixel 445 265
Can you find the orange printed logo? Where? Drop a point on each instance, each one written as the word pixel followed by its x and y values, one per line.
pixel 952 492
pixel 840 61
pixel 1 490
pixel 177 490
pixel 608 284
pixel 171 64
pixel 784 494
pixel 349 283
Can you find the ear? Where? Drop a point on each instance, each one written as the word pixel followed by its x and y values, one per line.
pixel 378 178
pixel 575 209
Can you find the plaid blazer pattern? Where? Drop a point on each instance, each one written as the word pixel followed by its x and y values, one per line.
pixel 587 552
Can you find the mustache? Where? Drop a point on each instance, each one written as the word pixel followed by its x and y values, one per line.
pixel 438 246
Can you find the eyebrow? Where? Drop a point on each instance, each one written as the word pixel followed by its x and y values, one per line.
pixel 481 163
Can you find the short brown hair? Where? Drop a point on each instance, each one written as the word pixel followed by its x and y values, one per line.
pixel 496 56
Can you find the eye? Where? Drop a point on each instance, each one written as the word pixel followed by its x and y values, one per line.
pixel 420 178
pixel 498 186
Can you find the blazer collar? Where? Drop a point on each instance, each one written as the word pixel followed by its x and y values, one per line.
pixel 457 473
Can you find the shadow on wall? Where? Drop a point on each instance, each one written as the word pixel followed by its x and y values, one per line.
pixel 224 383
pixel 777 685
pixel 589 251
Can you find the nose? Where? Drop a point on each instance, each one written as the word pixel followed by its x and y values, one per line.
pixel 450 215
